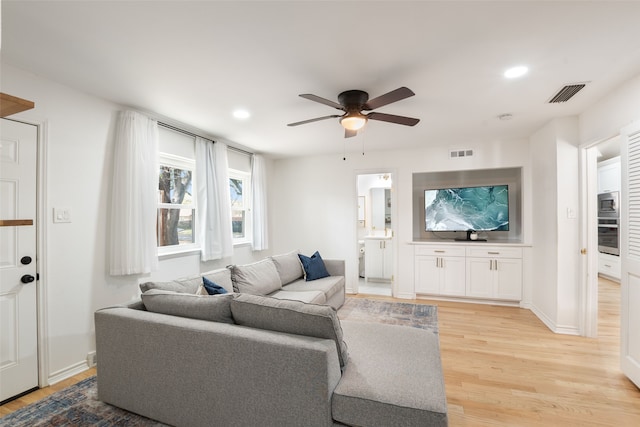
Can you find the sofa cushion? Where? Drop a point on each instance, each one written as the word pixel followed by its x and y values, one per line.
pixel 313 266
pixel 258 278
pixel 292 317
pixel 288 266
pixel 394 373
pixel 313 297
pixel 175 286
pixel 330 286
pixel 212 287
pixel 215 308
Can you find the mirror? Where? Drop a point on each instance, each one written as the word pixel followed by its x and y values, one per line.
pixel 380 208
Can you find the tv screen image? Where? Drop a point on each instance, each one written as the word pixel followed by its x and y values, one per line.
pixel 484 208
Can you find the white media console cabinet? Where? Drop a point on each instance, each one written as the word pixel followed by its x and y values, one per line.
pixel 478 271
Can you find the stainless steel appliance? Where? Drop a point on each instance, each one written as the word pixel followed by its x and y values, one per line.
pixel 609 236
pixel 608 205
pixel 608 223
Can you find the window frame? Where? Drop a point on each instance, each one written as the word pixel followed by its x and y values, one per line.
pixel 184 163
pixel 247 207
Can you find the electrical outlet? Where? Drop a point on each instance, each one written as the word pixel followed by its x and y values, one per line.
pixel 92 359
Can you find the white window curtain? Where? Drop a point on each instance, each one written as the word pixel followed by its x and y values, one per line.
pixel 259 202
pixel 133 202
pixel 214 200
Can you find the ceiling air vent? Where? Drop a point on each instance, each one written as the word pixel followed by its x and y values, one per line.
pixel 460 153
pixel 566 93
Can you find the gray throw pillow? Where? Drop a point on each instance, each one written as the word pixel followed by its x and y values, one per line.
pixel 292 317
pixel 215 308
pixel 288 266
pixel 259 278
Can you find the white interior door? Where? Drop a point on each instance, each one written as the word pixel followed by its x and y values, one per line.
pixel 18 315
pixel 630 253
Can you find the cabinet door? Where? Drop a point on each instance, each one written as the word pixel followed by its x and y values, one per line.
pixel 387 248
pixel 609 176
pixel 452 276
pixel 427 275
pixel 609 265
pixel 508 279
pixel 374 259
pixel 480 277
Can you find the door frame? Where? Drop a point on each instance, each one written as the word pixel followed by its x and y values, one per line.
pixel 41 246
pixel 394 216
pixel 588 187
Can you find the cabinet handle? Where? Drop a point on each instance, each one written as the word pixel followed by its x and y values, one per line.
pixel 439 252
pixel 607 265
pixel 490 264
pixel 495 264
pixel 493 253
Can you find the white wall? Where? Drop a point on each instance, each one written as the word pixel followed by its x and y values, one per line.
pixel 568 226
pixel 319 194
pixel 556 259
pixel 605 118
pixel 544 251
pixel 73 273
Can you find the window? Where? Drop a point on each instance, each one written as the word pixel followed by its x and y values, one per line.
pixel 240 190
pixel 176 204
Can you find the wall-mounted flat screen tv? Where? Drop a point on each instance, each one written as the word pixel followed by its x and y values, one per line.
pixel 484 208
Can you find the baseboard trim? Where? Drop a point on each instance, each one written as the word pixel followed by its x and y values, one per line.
pixel 67 372
pixel 470 300
pixel 556 329
pixel 405 295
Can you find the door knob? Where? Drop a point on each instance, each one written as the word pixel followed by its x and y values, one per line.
pixel 27 278
pixel 25 260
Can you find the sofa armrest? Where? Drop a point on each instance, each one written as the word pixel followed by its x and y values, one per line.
pixel 335 267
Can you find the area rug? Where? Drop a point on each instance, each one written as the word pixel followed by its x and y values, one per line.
pixel 393 313
pixel 76 406
pixel 79 406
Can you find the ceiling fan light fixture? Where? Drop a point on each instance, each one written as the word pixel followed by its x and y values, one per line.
pixel 353 121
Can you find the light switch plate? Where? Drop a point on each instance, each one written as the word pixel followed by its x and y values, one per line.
pixel 61 215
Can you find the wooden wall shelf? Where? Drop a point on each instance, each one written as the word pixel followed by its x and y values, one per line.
pixel 12 105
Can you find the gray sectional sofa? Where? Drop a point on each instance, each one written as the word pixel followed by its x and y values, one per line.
pixel 250 359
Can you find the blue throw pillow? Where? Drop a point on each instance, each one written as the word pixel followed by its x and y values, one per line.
pixel 213 288
pixel 313 267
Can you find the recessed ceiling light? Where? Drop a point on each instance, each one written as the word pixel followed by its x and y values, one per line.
pixel 515 72
pixel 241 114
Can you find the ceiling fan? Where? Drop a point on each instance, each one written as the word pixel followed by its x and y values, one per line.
pixel 354 102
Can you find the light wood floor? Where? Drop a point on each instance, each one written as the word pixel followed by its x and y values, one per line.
pixel 503 367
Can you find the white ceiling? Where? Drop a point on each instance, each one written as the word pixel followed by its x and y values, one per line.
pixel 196 62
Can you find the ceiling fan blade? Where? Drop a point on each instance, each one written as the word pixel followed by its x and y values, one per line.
pixel 393 96
pixel 401 120
pixel 349 133
pixel 317 119
pixel 316 98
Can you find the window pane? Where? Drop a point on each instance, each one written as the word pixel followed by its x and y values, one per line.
pixel 237 201
pixel 175 227
pixel 237 223
pixel 174 185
